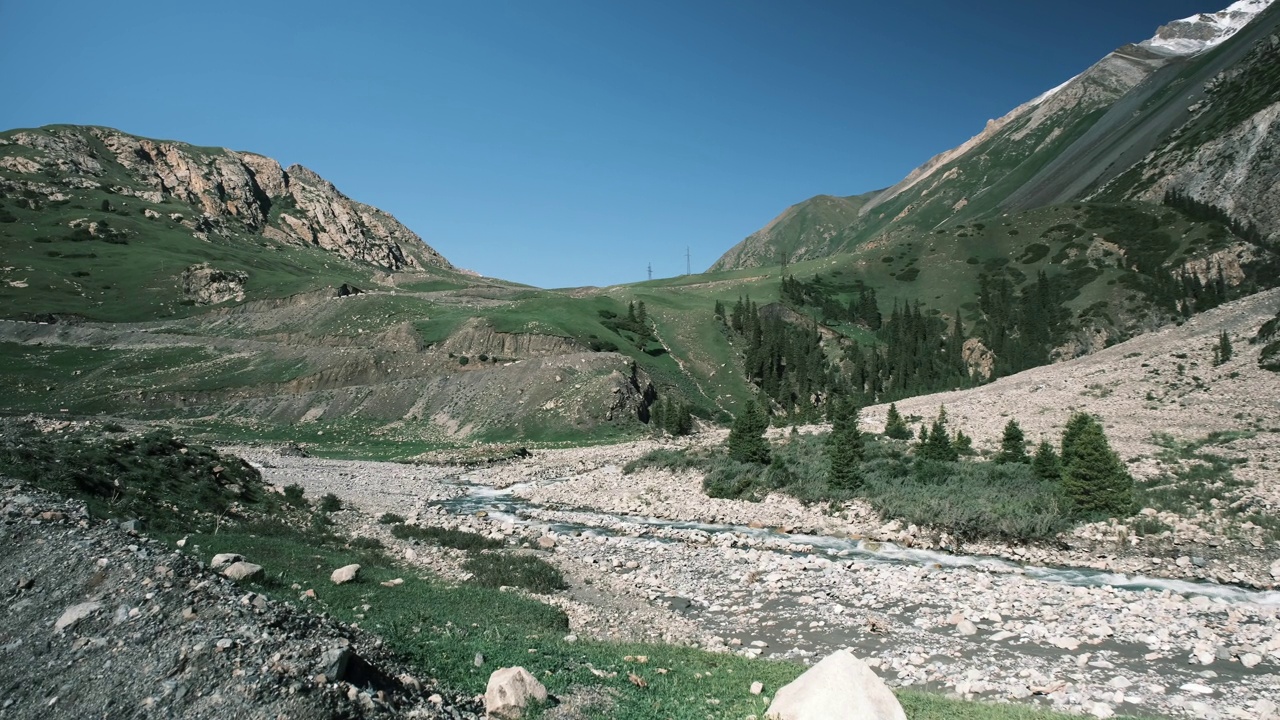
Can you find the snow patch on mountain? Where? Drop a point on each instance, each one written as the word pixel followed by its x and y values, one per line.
pixel 1198 33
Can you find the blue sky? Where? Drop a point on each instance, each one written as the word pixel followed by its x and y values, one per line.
pixel 562 143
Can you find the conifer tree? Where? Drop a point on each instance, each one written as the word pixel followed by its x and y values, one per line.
pixel 844 448
pixel 936 444
pixel 1046 463
pixel 1013 445
pixel 1223 351
pixel 1093 477
pixel 894 426
pixel 746 436
pixel 962 444
pixel 1071 434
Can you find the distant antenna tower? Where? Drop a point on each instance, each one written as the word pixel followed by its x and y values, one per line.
pixel 688 267
pixel 650 271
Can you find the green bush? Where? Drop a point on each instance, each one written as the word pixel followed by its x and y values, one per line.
pixel 391 518
pixel 293 495
pixel 447 537
pixel 668 459
pixel 493 570
pixel 329 503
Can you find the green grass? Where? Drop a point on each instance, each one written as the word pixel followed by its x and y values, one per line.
pixel 458 539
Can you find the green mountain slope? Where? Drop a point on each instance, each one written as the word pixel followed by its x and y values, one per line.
pixel 1139 113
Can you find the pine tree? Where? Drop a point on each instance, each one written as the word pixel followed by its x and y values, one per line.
pixel 746 436
pixel 1223 351
pixel 894 426
pixel 1013 446
pixel 844 448
pixel 962 444
pixel 1046 464
pixel 1093 477
pixel 642 315
pixel 1070 435
pixel 936 444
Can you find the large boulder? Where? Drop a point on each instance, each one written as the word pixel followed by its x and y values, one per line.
pixel 841 687
pixel 509 692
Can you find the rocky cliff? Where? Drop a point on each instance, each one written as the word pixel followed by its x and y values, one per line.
pixel 228 192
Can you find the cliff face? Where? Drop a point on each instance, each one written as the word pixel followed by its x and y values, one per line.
pixel 226 190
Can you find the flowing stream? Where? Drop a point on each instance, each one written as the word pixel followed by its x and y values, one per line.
pixel 503 505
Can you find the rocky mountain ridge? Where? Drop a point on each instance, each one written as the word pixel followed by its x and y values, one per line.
pixel 228 191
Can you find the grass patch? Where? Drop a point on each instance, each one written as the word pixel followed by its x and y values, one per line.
pixel 446 537
pixel 154 475
pixel 495 570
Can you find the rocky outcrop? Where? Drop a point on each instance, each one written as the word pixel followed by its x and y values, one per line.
pixel 476 337
pixel 229 191
pixel 205 285
pixel 978 358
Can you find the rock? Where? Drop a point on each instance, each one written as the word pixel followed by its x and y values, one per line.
pixel 510 691
pixel 965 627
pixel 1275 570
pixel 757 687
pixel 75 614
pixel 1197 688
pixel 345 574
pixel 243 571
pixel 478 660
pixel 1250 660
pixel 134 526
pixel 546 542
pixel 222 560
pixel 840 687
pixel 205 285
pixel 333 663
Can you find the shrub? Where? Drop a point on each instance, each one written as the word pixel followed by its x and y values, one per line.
pixel 293 495
pixel 329 503
pixel 446 537
pixel 391 519
pixel 494 570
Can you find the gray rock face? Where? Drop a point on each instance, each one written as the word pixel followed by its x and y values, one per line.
pixel 222 560
pixel 841 687
pixel 510 692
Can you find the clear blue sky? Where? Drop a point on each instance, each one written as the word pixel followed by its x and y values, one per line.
pixel 563 143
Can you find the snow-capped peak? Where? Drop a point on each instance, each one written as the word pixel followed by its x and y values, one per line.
pixel 1198 33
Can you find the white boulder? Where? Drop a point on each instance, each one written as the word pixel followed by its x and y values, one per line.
pixel 509 692
pixel 841 687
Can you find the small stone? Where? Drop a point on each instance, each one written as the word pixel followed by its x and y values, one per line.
pixel 546 542
pixel 333 663
pixel 1197 688
pixel 478 660
pixel 243 571
pixel 1250 660
pixel 965 627
pixel 345 574
pixel 75 614
pixel 757 687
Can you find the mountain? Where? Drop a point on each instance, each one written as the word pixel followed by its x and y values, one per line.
pixel 803 231
pixel 1206 82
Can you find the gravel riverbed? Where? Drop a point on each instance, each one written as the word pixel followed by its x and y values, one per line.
pixel 650 558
